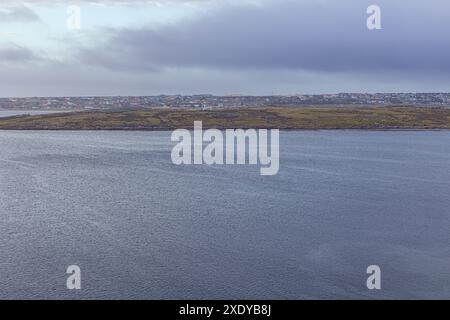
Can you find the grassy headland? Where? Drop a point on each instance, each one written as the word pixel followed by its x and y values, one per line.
pixel 301 118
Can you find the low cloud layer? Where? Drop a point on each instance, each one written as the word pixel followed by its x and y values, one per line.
pixel 289 35
pixel 17 14
pixel 13 53
pixel 254 46
pixel 111 2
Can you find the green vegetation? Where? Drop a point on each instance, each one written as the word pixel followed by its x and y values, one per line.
pixel 302 118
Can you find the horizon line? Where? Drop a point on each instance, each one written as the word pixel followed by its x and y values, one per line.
pixel 222 95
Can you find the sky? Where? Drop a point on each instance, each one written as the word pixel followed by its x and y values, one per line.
pixel 252 47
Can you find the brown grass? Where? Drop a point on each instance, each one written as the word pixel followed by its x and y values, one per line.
pixel 376 118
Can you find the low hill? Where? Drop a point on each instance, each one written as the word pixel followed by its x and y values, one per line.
pixel 301 118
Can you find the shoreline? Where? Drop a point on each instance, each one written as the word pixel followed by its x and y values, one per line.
pixel 223 129
pixel 285 119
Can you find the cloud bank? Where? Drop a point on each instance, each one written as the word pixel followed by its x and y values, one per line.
pixel 257 47
pixel 17 13
pixel 294 36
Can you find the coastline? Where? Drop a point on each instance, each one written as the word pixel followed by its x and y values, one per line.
pixel 395 118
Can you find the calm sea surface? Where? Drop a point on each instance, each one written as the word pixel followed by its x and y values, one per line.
pixel 140 227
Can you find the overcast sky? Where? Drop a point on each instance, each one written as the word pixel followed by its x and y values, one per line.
pixel 139 47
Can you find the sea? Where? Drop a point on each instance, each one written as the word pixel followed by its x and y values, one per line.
pixel 140 227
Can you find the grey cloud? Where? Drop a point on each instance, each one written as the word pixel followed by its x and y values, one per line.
pixel 16 54
pixel 112 2
pixel 306 46
pixel 75 80
pixel 18 13
pixel 323 36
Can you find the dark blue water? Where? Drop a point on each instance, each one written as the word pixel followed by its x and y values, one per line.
pixel 140 227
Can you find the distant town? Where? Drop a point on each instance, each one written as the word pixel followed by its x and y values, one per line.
pixel 207 102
